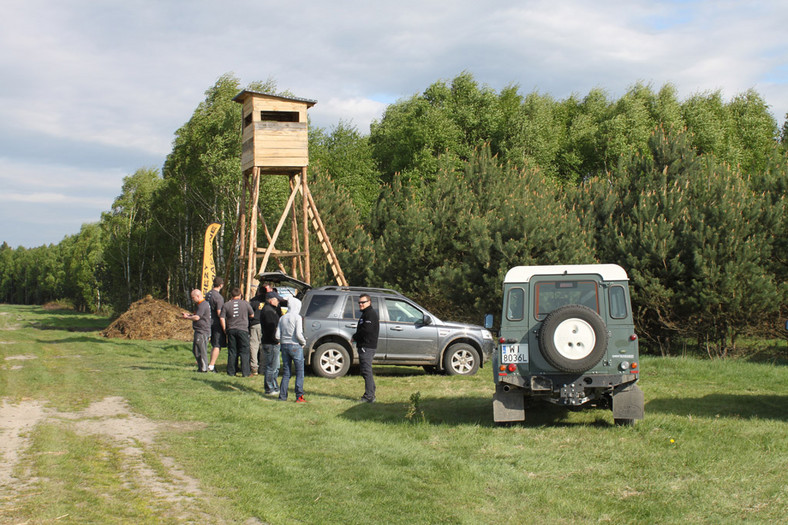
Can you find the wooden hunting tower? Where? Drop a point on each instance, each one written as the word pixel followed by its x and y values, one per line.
pixel 275 142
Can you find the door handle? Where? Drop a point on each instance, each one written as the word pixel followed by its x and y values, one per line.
pixel 396 328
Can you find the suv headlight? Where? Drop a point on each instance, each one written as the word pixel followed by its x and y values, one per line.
pixel 486 334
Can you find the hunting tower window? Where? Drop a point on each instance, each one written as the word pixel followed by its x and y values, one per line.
pixel 279 116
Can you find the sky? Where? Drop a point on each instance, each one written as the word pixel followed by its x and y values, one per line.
pixel 91 91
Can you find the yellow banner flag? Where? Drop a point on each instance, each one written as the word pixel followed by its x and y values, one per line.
pixel 208 266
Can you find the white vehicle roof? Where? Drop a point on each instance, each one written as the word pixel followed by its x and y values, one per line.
pixel 608 272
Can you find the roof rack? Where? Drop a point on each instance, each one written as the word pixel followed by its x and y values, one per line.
pixel 360 289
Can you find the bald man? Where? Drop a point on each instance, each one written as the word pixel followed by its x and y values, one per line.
pixel 201 323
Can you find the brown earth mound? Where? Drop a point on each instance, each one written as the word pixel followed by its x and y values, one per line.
pixel 151 318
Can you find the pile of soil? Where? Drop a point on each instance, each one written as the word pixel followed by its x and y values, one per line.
pixel 151 318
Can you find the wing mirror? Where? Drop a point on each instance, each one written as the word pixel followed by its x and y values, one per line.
pixel 488 321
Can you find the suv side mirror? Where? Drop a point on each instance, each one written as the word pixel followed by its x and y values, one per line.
pixel 786 326
pixel 488 321
pixel 426 320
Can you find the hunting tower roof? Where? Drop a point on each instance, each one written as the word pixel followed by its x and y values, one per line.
pixel 243 95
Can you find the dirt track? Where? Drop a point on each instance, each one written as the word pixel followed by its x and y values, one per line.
pixel 109 419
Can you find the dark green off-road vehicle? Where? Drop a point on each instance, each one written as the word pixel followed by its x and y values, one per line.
pixel 567 337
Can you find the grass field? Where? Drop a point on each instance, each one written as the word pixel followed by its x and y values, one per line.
pixel 102 430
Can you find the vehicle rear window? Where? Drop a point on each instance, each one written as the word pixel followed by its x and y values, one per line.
pixel 618 302
pixel 515 302
pixel 550 295
pixel 320 306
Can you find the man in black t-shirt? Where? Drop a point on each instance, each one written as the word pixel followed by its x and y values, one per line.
pixel 216 301
pixel 235 318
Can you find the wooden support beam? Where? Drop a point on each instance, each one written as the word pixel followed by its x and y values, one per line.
pixel 305 222
pixel 268 238
pixel 251 262
pixel 278 229
pixel 325 243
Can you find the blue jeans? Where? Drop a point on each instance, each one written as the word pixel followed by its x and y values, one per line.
pixel 292 353
pixel 269 360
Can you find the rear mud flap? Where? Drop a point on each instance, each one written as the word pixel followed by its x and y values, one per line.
pixel 628 403
pixel 508 406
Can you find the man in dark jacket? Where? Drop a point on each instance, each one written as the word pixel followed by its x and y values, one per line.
pixel 269 350
pixel 366 338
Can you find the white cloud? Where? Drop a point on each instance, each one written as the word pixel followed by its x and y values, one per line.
pixel 359 112
pixel 29 177
pixel 93 91
pixel 56 198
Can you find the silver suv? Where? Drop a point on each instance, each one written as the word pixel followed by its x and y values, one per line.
pixel 409 334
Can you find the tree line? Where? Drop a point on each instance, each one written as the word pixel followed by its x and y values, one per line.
pixel 455 185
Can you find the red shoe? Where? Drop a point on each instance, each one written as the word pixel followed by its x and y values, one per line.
pixel 300 399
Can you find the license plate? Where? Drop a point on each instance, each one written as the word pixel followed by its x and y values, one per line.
pixel 514 354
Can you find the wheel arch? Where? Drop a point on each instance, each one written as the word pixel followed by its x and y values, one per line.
pixel 460 339
pixel 329 338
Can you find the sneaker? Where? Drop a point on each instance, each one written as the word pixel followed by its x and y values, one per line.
pixel 300 399
pixel 365 399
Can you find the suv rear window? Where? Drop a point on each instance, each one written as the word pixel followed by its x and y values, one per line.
pixel 550 295
pixel 320 305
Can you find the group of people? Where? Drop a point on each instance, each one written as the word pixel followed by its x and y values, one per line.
pixel 254 332
pixel 258 331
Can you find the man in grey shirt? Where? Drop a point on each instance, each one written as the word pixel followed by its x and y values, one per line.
pixel 235 321
pixel 201 323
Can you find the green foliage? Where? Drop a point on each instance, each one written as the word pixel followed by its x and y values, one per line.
pixel 455 185
pixel 741 133
pixel 83 267
pixel 345 156
pixel 343 223
pixel 130 253
pixel 415 412
pixel 203 184
pixel 451 244
pixel 695 238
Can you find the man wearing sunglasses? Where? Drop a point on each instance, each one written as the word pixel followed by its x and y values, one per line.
pixel 366 338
